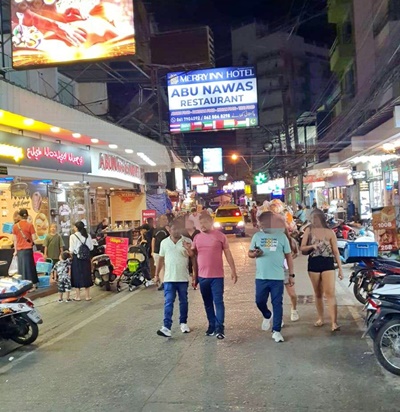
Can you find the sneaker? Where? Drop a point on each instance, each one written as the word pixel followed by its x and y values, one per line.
pixel 60 301
pixel 161 287
pixel 282 324
pixel 220 335
pixel 164 332
pixel 277 337
pixel 210 332
pixel 68 300
pixel 185 328
pixel 266 324
pixel 294 315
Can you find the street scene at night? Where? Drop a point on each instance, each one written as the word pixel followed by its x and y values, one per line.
pixel 200 205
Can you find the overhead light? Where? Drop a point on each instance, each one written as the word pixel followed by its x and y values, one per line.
pixel 146 159
pixel 113 146
pixel 388 147
pixel 55 129
pixel 94 140
pixel 99 187
pixel 76 135
pixel 197 159
pixel 111 188
pixel 29 122
pixel 129 151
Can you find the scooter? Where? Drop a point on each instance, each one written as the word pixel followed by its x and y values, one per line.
pixel 102 268
pixel 344 231
pixel 19 319
pixel 383 322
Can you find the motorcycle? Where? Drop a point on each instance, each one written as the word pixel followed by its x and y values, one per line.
pixel 383 322
pixel 102 268
pixel 344 231
pixel 19 319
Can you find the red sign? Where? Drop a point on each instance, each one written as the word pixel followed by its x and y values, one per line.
pixel 111 163
pixel 127 197
pixel 146 214
pixel 117 248
pixel 37 153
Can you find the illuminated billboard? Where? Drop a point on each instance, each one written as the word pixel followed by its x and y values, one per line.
pixel 212 99
pixel 54 32
pixel 212 160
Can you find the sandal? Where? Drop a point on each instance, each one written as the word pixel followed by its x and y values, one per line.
pixel 77 300
pixel 336 329
pixel 319 323
pixel 88 300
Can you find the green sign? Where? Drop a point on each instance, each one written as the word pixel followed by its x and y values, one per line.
pixel 260 178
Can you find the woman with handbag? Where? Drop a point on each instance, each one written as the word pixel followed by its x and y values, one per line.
pixel 53 245
pixel 319 242
pixel 24 236
pixel 80 245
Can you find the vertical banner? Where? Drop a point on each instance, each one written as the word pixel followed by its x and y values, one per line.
pixel 384 224
pixel 117 249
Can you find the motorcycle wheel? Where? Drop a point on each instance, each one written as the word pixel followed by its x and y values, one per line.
pixel 107 285
pixel 387 346
pixel 29 330
pixel 360 293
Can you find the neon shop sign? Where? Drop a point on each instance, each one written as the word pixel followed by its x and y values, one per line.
pixel 37 153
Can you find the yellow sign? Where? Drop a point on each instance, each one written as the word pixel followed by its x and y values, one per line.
pixel 16 153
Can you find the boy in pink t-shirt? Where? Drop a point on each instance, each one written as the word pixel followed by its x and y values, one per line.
pixel 209 245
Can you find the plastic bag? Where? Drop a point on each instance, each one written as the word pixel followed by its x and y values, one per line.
pixel 13 269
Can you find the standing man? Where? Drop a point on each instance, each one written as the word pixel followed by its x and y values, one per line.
pixel 270 247
pixel 160 234
pixel 194 217
pixel 174 256
pixel 210 245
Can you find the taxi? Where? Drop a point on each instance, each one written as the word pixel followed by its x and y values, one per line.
pixel 229 220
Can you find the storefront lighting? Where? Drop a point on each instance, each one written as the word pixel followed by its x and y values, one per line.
pixel 100 187
pixel 129 151
pixel 113 146
pixel 197 159
pixel 388 147
pixel 375 159
pixel 146 159
pixel 29 122
pixel 111 188
pixel 55 129
pixel 94 140
pixel 76 135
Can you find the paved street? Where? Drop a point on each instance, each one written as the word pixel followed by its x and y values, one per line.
pixel 105 356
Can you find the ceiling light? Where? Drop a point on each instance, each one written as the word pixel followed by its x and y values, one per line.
pixel 113 146
pixel 146 159
pixel 99 187
pixel 197 159
pixel 129 151
pixel 29 122
pixel 111 188
pixel 388 147
pixel 94 140
pixel 76 135
pixel 55 129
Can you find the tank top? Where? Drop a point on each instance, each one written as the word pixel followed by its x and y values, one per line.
pixel 324 248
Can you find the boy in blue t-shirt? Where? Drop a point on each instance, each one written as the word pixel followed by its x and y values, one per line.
pixel 270 247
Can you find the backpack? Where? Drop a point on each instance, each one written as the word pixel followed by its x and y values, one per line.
pixel 83 251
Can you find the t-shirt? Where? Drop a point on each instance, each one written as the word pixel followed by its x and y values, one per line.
pixel 62 269
pixel 176 260
pixel 159 235
pixel 195 220
pixel 54 245
pixel 275 245
pixel 209 247
pixel 28 230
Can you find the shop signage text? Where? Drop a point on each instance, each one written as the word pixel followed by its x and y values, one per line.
pixel 148 214
pixel 359 175
pixel 127 197
pixel 111 163
pixel 26 151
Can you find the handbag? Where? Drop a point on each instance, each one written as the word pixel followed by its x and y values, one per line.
pixel 13 269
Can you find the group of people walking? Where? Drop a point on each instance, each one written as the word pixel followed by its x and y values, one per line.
pixel 274 251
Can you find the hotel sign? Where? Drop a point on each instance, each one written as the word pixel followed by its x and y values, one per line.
pixel 25 151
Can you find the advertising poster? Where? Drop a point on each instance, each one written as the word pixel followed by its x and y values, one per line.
pixel 53 32
pixel 384 224
pixel 117 248
pixel 213 99
pixel 212 161
pixel 148 214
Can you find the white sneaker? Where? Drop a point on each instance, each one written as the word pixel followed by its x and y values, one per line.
pixel 282 324
pixel 185 328
pixel 164 332
pixel 294 315
pixel 266 324
pixel 277 337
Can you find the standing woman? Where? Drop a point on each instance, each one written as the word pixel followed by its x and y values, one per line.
pixel 320 243
pixel 81 269
pixel 53 244
pixel 24 235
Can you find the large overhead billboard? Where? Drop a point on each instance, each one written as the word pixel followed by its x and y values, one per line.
pixel 55 32
pixel 212 99
pixel 212 160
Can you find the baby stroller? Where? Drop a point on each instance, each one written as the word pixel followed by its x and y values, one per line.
pixel 137 271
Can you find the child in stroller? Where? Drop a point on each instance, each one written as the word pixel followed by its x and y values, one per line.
pixel 137 271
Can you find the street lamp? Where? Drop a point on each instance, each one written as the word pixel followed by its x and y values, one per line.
pixel 235 157
pixel 197 160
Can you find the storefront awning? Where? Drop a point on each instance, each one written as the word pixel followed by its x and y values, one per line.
pixel 148 154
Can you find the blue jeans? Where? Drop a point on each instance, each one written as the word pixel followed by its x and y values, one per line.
pixel 212 291
pixel 170 291
pixel 263 289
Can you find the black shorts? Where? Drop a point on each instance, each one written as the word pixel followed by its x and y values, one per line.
pixel 319 264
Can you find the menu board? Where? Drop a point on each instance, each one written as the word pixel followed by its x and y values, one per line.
pixel 384 224
pixel 117 248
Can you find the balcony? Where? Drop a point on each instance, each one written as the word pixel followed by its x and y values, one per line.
pixel 337 10
pixel 341 55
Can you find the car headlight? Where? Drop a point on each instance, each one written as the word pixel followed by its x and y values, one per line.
pixel 240 224
pixel 217 224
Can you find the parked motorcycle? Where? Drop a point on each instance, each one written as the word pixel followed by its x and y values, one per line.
pixel 102 268
pixel 344 231
pixel 19 319
pixel 383 322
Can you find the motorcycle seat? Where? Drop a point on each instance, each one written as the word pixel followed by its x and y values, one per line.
pixel 389 262
pixel 391 280
pixel 100 257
